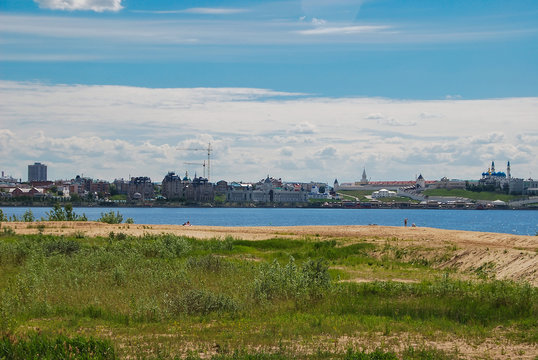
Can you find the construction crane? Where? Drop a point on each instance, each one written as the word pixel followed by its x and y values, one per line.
pixel 208 149
pixel 193 163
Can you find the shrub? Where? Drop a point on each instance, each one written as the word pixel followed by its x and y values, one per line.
pixel 7 231
pixel 64 214
pixel 60 246
pixel 306 282
pixel 208 263
pixel 111 218
pixel 164 246
pixel 203 302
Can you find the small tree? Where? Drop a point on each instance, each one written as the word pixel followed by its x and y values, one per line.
pixel 28 216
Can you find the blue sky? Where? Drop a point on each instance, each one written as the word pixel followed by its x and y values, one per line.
pixel 454 54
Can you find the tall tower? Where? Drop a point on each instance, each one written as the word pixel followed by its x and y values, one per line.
pixel 364 179
pixel 493 166
pixel 508 170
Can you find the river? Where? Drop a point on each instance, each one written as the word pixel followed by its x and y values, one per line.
pixel 521 222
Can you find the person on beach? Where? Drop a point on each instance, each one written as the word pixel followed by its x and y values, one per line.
pixel 405 222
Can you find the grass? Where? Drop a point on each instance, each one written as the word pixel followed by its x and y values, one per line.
pixel 170 296
pixel 473 195
pixel 352 194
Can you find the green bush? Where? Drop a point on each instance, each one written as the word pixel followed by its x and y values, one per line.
pixel 111 218
pixel 292 282
pixel 64 214
pixel 208 263
pixel 201 302
pixel 61 246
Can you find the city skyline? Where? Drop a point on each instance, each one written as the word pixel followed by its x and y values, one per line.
pixel 305 90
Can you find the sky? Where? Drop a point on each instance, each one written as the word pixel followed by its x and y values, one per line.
pixel 303 90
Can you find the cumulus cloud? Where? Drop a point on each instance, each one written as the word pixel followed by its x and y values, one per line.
pixel 304 127
pixel 327 152
pixel 72 5
pixel 114 131
pixel 425 115
pixel 493 137
pixel 376 116
pixel 394 122
pixel 286 151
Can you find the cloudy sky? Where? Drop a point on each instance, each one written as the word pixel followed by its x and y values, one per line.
pixel 298 89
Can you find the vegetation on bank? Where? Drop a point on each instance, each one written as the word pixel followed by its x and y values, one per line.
pixel 473 195
pixel 166 296
pixel 353 195
pixel 65 213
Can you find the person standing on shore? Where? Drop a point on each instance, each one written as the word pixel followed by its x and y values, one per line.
pixel 405 222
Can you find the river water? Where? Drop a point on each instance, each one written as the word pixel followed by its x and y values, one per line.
pixel 522 222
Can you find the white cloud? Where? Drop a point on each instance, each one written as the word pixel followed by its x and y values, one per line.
pixel 327 152
pixel 199 11
pixel 72 5
pixel 304 127
pixel 492 137
pixel 376 116
pixel 286 151
pixel 318 22
pixel 394 122
pixel 344 30
pixel 114 131
pixel 214 11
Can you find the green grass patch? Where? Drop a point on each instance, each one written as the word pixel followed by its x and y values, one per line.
pixel 360 194
pixel 211 291
pixel 473 195
pixel 38 346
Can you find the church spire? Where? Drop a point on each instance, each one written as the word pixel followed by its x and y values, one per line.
pixel 364 179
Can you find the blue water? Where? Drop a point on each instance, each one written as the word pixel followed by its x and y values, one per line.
pixel 522 222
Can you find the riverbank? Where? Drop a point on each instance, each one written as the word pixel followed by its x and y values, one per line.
pixel 507 256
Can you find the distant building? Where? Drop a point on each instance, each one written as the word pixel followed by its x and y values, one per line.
pixel 37 172
pixel 122 186
pixel 383 193
pixel 269 190
pixel 141 188
pixel 496 178
pixel 198 190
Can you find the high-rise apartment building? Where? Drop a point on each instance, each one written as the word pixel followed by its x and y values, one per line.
pixel 37 172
